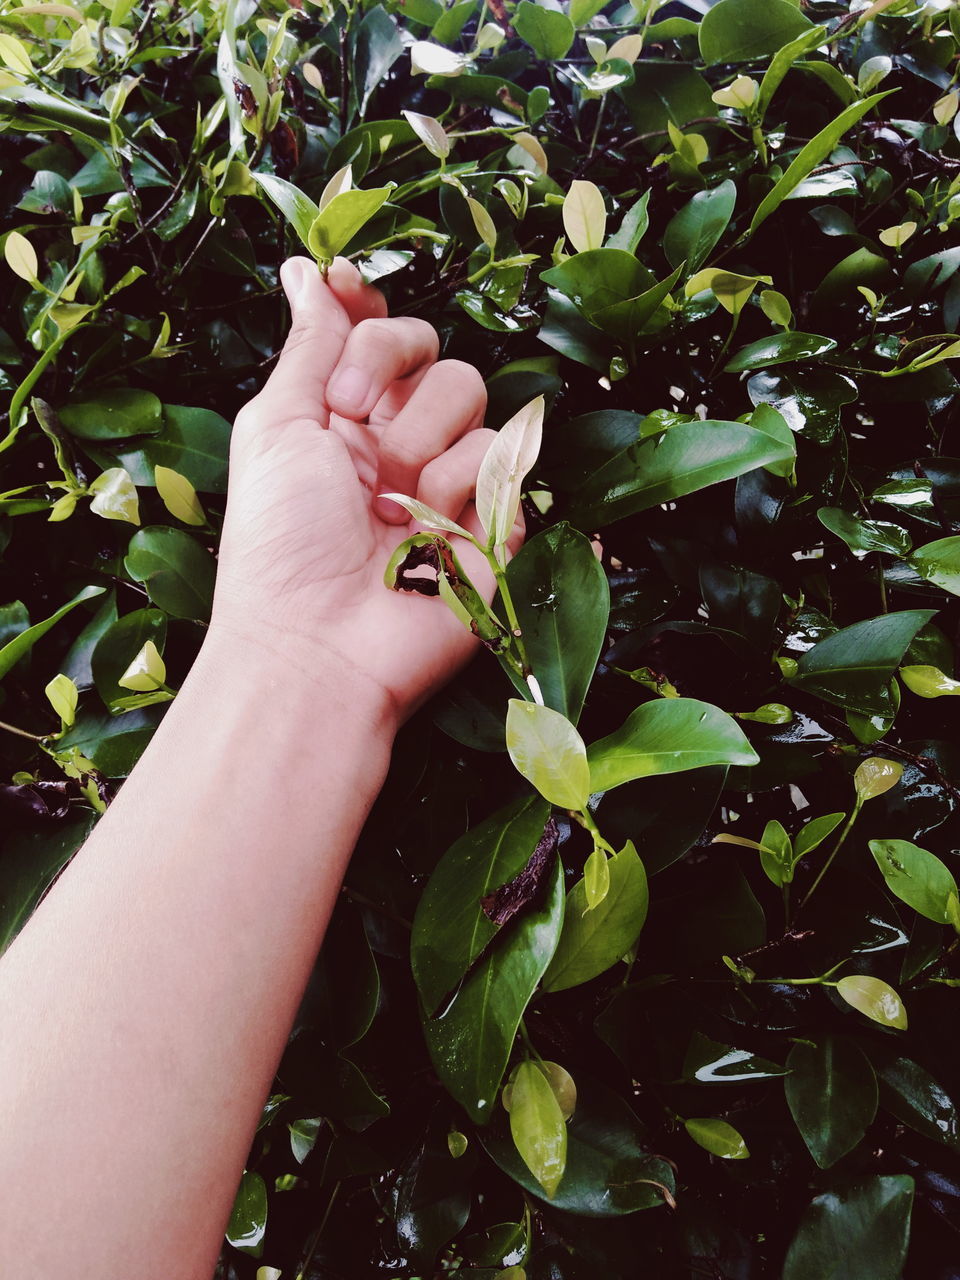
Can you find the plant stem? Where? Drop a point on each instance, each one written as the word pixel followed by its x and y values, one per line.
pixel 499 573
pixel 21 733
pixel 845 831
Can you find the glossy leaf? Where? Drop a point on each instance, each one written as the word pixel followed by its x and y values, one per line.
pixel 548 32
pixel 175 569
pixel 739 30
pixel 693 233
pixel 864 536
pixel 430 132
pixel 63 695
pixel 689 457
pixel 874 998
pixel 667 737
pixel 875 776
pixel 832 1095
pixel 146 672
pixel 815 151
pixel 114 414
pixel 562 599
pixel 782 348
pixel 853 667
pixel 593 940
pixel 298 209
pixel 546 748
pixel 248 1219
pixel 470 1040
pixel 335 226
pixel 939 563
pixel 929 682
pixel 916 877
pixel 916 1098
pixel 813 834
pixel 23 642
pixel 537 1126
pixel 717 1137
pixel 857 1232
pixel 426 516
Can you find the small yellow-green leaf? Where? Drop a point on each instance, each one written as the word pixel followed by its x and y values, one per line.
pixel 929 682
pixel 146 672
pixel 428 59
pixel 62 694
pixel 596 878
pixel 485 225
pixel 63 508
pixel 502 471
pixel 426 515
pixel 563 1085
pixel 873 72
pixel 312 76
pixel 627 49
pixel 341 181
pixel 741 94
pixel 730 289
pixel 115 496
pixel 457 1143
pixel 717 1137
pixel 14 54
pixel 179 496
pixel 875 776
pixel 584 216
pixel 769 713
pixel 776 307
pixel 430 132
pixel 21 256
pixel 898 236
pixel 546 748
pixel 537 1126
pixel 534 150
pixel 945 108
pixel 874 998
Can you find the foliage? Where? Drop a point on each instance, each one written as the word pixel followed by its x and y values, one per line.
pixel 711 248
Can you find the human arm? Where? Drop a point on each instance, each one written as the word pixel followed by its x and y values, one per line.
pixel 144 1008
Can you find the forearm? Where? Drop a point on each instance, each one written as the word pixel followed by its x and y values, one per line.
pixel 170 958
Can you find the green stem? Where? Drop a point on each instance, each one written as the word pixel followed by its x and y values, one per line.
pixel 21 733
pixel 19 400
pixel 499 573
pixel 585 818
pixel 845 831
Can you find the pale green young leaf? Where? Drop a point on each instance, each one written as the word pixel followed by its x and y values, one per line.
pixel 428 59
pixel 814 833
pixel 63 695
pixel 430 132
pixel 341 181
pixel 740 95
pixel 874 998
pixel 115 496
pixel 776 853
pixel 537 1126
pixel 596 878
pixel 298 209
pixel 335 226
pixel 21 256
pixel 485 225
pixel 13 54
pixel 929 682
pixel 146 672
pixel 426 515
pixel 179 496
pixel 584 216
pixel 505 464
pixel 939 562
pixel 546 748
pixel 875 776
pixel 717 1137
pixel 534 150
pixel 776 308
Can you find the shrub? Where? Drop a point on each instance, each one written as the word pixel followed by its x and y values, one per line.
pixel 719 241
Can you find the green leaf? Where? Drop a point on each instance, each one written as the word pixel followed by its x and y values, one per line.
pixel 470 1040
pixel 119 645
pixel 939 563
pixel 113 743
pixel 874 998
pixel 176 570
pixel 504 468
pixel 859 1232
pixel 546 748
pixel 179 496
pixel 776 308
pixel 537 1126
pixel 248 1219
pixel 815 151
pixel 298 209
pixel 782 61
pixel 21 644
pixel 852 668
pixel 832 1095
pixel 596 878
pixel 584 216
pixel 815 832
pixel 598 278
pixel 916 877
pixel 194 442
pixel 338 222
pixel 717 1137
pixel 864 536
pixel 63 695
pixel 549 33
pixel 686 458
pixel 114 496
pixel 776 853
pixel 426 516
pixel 451 929
pixel 609 1170
pixel 929 682
pixel 31 861
pixel 875 776
pixel 626 320
pixel 782 348
pixel 692 234
pixel 741 30
pixel 667 736
pixel 562 599
pixel 916 1098
pixel 593 940
pixel 633 226
pixel 114 414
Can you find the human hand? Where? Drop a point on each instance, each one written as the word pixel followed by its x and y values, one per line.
pixel 358 405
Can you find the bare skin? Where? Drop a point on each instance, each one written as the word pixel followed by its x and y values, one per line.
pixel 145 1006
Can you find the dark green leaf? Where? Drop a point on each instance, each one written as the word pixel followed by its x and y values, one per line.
pixel 859 1232
pixel 693 233
pixel 832 1094
pixel 30 863
pixel 915 1097
pixel 782 348
pixel 114 414
pixel 175 569
pixel 739 30
pixel 21 644
pixel 549 33
pixel 248 1220
pixel 863 536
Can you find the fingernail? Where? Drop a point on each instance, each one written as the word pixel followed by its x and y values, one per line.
pixel 295 278
pixel 350 388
